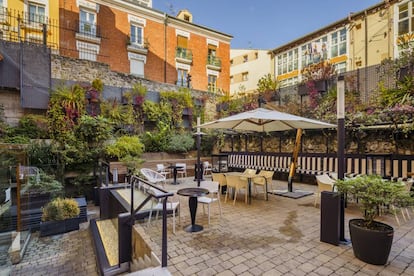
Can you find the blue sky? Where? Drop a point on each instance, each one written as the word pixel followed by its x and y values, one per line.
pixel 264 24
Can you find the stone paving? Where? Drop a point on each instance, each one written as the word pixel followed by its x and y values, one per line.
pixel 280 236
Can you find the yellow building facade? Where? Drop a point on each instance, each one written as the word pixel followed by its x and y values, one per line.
pixel 361 40
pixel 30 21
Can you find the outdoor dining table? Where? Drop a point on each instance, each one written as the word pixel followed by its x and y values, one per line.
pixel 193 193
pixel 175 168
pixel 249 184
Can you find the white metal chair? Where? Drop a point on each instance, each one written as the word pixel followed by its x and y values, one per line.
pixel 153 176
pixel 163 170
pixel 181 169
pixel 157 206
pixel 207 167
pixel 213 196
pixel 325 183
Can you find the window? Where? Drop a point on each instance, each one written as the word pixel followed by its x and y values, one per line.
pixel 212 83
pixel 340 67
pixel 338 43
pixel 137 35
pixel 87 24
pixel 403 19
pixel 182 41
pixel 3 12
pixel 245 76
pixel 245 58
pixel 182 77
pixel 36 13
pixel 186 18
pixel 289 82
pixel 87 51
pixel 87 54
pixel 231 62
pixel 287 62
pixel 137 67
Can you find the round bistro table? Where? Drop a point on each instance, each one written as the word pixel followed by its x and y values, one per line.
pixel 193 193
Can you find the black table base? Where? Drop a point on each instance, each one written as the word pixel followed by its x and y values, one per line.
pixel 192 203
pixel 193 193
pixel 193 228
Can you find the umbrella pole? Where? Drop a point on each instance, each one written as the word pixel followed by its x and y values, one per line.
pixel 294 160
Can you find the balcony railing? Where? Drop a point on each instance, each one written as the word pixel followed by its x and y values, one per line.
pixel 88 29
pixel 3 15
pixel 214 61
pixel 184 54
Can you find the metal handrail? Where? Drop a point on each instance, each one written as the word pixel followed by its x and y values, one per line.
pixel 164 197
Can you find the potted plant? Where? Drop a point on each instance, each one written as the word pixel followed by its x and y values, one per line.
pixel 371 239
pixel 60 215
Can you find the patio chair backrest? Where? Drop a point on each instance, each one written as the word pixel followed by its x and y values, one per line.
pixel 182 165
pixel 160 167
pixel 211 186
pixel 152 176
pixel 220 178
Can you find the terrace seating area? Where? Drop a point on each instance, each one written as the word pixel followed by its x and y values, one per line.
pixel 287 240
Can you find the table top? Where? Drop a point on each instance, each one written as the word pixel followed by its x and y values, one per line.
pixel 175 167
pixel 193 192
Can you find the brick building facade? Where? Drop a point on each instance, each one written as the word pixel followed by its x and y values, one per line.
pixel 136 39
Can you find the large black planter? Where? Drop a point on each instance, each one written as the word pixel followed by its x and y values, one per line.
pixel 372 246
pixel 49 228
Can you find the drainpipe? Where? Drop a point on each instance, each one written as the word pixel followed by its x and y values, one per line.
pixel 165 46
pixel 366 56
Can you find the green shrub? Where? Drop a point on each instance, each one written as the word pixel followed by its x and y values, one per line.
pixel 45 183
pixel 60 209
pixel 180 143
pixel 17 139
pixel 125 148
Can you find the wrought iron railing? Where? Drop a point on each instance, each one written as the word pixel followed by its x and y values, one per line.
pixel 88 29
pixel 214 61
pixel 184 53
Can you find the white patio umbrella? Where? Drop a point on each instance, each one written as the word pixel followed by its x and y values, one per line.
pixel 265 120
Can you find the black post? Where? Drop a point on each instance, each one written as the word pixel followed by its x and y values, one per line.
pixel 164 233
pixel 198 169
pixel 341 149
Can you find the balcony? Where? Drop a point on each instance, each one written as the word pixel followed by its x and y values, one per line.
pixel 213 62
pixel 184 55
pixel 34 22
pixel 88 31
pixel 138 48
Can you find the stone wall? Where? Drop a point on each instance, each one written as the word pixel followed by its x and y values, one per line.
pixel 78 70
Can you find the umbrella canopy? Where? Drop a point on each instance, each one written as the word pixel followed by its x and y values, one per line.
pixel 265 120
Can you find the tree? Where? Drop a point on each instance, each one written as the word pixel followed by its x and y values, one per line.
pixel 267 87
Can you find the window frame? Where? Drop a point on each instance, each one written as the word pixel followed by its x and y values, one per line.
pixel 212 83
pixel 36 17
pixel 87 21
pixel 139 35
pixel 182 77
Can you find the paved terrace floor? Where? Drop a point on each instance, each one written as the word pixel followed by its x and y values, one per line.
pixel 280 236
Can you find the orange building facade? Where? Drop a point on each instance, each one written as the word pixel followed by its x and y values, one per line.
pixel 133 38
